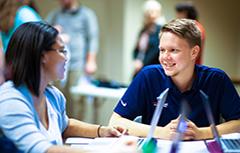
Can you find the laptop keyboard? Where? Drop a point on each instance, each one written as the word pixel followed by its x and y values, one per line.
pixel 231 143
pixel 140 141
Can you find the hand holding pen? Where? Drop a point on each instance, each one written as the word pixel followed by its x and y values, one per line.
pixel 108 131
pixel 124 132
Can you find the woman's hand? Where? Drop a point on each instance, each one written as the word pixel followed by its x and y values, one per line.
pixel 108 131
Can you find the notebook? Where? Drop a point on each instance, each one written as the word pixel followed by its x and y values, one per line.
pixel 220 144
pixel 157 113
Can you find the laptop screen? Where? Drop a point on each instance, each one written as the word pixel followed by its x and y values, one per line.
pixel 212 145
pixel 158 110
pixel 149 142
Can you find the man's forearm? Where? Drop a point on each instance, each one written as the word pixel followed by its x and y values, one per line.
pixel 232 126
pixel 224 128
pixel 81 129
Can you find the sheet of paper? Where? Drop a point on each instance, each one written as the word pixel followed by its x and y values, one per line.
pixel 164 146
pixel 78 140
pixel 104 141
pixel 231 136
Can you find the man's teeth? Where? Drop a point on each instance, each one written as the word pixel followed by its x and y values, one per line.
pixel 168 65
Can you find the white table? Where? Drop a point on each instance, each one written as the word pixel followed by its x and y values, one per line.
pixel 100 92
pixel 97 96
pixel 163 145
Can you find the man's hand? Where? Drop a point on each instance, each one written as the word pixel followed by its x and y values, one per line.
pixel 90 67
pixel 196 133
pixel 192 132
pixel 169 131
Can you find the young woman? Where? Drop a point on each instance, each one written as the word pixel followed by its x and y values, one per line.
pixel 32 112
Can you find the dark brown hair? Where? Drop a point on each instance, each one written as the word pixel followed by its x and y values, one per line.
pixel 24 52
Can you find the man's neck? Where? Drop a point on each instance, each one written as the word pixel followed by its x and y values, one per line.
pixel 184 81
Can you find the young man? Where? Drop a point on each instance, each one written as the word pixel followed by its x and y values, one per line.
pixel 180 42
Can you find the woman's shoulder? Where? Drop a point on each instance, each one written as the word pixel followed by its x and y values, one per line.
pixel 14 100
pixel 8 90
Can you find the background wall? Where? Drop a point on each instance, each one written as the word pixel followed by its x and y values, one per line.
pixel 121 20
pixel 238 67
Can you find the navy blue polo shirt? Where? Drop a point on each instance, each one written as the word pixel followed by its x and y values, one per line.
pixel 141 96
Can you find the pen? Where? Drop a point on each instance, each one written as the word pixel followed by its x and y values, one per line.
pixel 124 132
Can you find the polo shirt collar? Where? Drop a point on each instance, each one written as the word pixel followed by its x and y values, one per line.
pixel 172 86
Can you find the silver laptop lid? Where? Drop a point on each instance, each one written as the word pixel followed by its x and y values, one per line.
pixel 157 113
pixel 150 142
pixel 208 110
pixel 211 121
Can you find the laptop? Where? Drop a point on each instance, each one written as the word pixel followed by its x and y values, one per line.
pixel 149 143
pixel 219 145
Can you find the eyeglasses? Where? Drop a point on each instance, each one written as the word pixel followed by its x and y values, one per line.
pixel 63 51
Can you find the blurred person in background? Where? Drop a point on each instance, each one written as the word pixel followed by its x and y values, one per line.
pixel 146 50
pixel 188 10
pixel 79 28
pixel 13 13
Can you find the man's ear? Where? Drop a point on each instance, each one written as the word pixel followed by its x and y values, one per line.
pixel 195 52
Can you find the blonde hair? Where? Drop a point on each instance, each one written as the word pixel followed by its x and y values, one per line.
pixel 8 9
pixel 152 5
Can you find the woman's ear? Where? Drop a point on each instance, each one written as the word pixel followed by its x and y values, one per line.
pixel 44 58
pixel 195 52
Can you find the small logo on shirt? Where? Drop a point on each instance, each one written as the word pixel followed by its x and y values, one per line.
pixel 165 105
pixel 154 103
pixel 124 104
